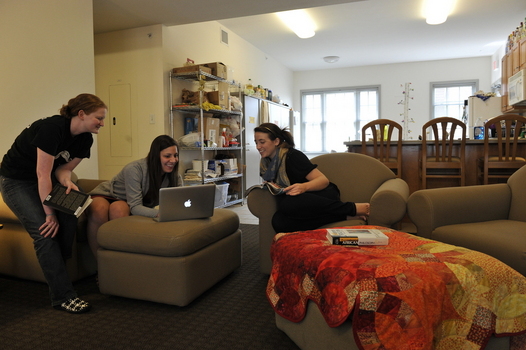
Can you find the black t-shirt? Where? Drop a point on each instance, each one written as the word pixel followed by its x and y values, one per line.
pixel 53 136
pixel 298 166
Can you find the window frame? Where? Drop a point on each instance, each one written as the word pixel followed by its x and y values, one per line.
pixel 447 84
pixel 356 122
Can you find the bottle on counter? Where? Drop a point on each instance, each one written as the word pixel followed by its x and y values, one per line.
pixel 249 85
pixel 478 130
pixel 465 113
pixel 224 138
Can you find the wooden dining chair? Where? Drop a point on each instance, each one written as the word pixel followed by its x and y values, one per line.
pixel 385 148
pixel 504 158
pixel 444 155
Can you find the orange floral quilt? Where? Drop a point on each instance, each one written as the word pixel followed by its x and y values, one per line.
pixel 414 293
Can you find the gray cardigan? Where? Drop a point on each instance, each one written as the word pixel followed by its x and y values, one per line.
pixel 130 185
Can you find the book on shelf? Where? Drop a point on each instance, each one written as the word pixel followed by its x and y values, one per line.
pixel 273 188
pixel 356 236
pixel 74 203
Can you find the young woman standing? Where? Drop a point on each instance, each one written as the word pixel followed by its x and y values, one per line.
pixel 46 152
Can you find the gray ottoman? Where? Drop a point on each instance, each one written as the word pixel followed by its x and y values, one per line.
pixel 170 262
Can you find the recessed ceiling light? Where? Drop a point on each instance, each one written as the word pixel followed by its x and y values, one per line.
pixel 331 59
pixel 299 22
pixel 436 11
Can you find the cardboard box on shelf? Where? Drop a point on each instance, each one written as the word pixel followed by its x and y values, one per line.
pixel 211 129
pixel 218 69
pixel 230 166
pixel 190 69
pixel 215 166
pixel 221 97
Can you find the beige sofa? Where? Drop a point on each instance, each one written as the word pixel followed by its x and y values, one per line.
pixel 17 254
pixel 359 177
pixel 487 218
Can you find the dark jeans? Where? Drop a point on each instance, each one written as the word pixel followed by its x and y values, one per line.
pixel 22 197
pixel 311 210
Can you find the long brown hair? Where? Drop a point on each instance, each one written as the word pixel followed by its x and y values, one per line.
pixel 155 171
pixel 84 102
pixel 286 140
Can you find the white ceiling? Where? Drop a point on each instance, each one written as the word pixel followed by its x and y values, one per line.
pixel 361 32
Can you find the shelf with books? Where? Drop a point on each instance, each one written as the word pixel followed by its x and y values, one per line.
pixel 204 100
pixel 186 148
pixel 197 109
pixel 215 179
pixel 197 74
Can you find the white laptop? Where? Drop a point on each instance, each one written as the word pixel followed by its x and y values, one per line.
pixel 187 202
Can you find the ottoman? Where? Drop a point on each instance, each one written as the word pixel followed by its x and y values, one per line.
pixel 169 262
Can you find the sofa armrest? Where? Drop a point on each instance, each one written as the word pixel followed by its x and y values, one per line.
pixel 263 205
pixel 432 208
pixel 389 203
pixel 87 185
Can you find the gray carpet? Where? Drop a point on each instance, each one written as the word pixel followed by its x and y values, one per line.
pixel 234 314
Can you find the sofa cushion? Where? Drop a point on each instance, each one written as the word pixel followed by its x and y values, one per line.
pixel 143 235
pixel 502 239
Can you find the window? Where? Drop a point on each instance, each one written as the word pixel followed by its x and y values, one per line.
pixel 331 117
pixel 448 98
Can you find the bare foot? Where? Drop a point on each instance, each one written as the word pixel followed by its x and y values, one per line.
pixel 363 209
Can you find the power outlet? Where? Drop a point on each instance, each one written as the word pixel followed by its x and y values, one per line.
pixel 152 118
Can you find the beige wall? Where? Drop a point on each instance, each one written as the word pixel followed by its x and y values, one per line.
pixel 132 57
pixel 392 78
pixel 143 57
pixel 46 57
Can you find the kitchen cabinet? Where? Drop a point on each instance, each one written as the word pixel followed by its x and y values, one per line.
pixel 202 82
pixel 515 58
pixel 512 63
pixel 507 68
pixel 522 54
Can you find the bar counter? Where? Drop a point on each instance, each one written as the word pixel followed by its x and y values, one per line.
pixel 411 153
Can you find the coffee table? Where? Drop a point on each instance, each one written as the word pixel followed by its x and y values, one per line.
pixel 413 293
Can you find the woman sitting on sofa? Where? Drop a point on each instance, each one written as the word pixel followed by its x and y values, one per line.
pixel 310 200
pixel 135 189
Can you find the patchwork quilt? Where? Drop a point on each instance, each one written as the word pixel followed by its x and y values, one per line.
pixel 414 293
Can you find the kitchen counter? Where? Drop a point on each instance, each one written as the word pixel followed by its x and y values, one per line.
pixel 411 153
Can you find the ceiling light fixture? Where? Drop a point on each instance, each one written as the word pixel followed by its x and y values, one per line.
pixel 299 22
pixel 331 59
pixel 436 11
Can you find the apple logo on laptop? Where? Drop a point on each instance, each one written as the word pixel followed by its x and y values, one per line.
pixel 188 203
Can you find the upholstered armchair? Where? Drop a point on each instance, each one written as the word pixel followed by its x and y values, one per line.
pixel 359 177
pixel 487 218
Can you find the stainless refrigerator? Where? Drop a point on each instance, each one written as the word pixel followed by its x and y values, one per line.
pixel 254 110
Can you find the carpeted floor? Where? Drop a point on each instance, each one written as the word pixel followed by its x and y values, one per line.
pixel 234 314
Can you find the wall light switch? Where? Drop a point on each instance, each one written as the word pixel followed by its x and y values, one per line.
pixel 152 118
